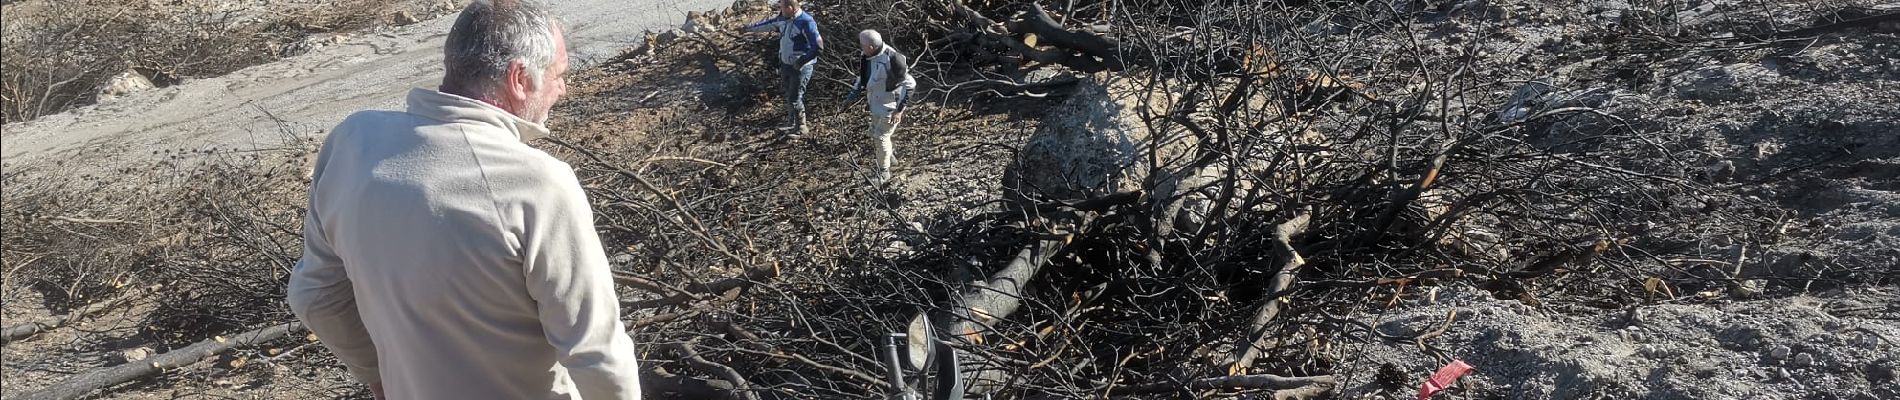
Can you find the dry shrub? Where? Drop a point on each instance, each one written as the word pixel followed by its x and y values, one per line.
pixel 219 234
pixel 58 54
pixel 69 240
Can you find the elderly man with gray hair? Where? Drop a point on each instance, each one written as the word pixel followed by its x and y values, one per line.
pixel 443 257
pixel 884 76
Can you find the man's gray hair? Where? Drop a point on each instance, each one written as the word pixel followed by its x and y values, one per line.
pixel 871 37
pixel 489 35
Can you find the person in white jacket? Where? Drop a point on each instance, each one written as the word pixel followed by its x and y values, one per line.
pixel 884 78
pixel 443 257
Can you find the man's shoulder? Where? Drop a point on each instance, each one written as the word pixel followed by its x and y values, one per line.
pixel 531 178
pixel 528 165
pixel 376 118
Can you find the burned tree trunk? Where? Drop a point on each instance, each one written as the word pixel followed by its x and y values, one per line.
pixel 1077 49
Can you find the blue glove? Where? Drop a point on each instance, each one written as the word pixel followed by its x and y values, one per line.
pixel 853 96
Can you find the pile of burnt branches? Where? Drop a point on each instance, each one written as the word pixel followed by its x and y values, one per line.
pixel 1338 161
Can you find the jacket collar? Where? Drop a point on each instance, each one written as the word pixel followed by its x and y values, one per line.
pixel 882 53
pixel 452 108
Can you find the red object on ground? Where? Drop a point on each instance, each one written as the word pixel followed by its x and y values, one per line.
pixel 1443 379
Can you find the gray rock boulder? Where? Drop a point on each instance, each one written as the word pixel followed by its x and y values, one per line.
pixel 125 83
pixel 1094 143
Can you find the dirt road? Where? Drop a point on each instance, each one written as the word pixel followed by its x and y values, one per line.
pixel 278 104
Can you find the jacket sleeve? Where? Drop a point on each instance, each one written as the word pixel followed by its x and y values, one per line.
pixel 864 75
pixel 768 25
pixel 567 275
pixel 322 296
pixel 896 73
pixel 900 79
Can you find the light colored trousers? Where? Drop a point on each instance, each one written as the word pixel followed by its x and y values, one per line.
pixel 881 129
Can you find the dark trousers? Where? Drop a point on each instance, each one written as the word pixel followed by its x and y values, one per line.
pixel 796 79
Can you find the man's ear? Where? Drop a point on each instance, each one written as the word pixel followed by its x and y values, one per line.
pixel 517 84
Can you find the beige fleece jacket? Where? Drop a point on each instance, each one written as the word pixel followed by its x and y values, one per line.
pixel 447 259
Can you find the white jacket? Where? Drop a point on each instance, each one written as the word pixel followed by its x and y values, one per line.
pixel 447 259
pixel 875 81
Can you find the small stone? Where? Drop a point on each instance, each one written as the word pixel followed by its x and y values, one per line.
pixel 670 36
pixel 697 22
pixel 1779 352
pixel 622 259
pixel 136 355
pixel 1748 288
pixel 897 247
pixel 404 17
pixel 1783 373
pixel 1803 359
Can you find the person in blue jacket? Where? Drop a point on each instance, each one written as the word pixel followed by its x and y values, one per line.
pixel 798 44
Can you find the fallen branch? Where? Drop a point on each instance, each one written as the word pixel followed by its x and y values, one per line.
pixel 1256 381
pixel 740 389
pixel 992 301
pixel 693 292
pixel 1002 294
pixel 25 330
pixel 658 381
pixel 1004 88
pixel 727 297
pixel 80 385
pixel 1822 29
pixel 1110 52
pixel 1441 273
pixel 92 221
pixel 1290 263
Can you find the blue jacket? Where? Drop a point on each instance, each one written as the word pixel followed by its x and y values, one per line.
pixel 798 39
